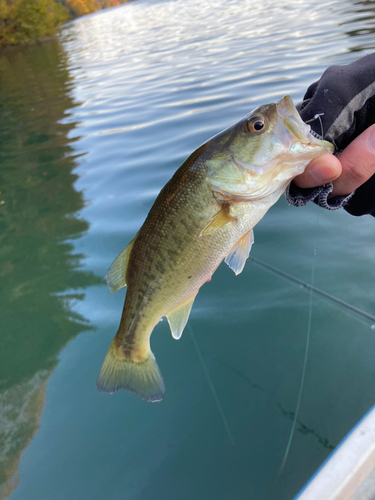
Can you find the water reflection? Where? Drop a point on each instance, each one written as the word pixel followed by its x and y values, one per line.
pixel 274 397
pixel 38 214
pixel 166 76
pixel 361 23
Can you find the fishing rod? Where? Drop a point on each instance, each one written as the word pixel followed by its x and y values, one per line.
pixel 313 288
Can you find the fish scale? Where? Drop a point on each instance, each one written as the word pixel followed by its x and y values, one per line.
pixel 203 215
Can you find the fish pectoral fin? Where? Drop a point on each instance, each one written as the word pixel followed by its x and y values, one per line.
pixel 219 220
pixel 236 259
pixel 117 272
pixel 177 319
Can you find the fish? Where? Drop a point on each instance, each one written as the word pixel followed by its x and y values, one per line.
pixel 205 214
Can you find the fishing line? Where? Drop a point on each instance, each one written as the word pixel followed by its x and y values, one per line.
pixel 317 117
pixel 211 385
pixel 305 357
pixel 313 288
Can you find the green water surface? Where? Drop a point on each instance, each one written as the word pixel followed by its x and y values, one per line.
pixel 91 127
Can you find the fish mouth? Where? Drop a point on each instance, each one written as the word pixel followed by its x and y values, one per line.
pixel 286 107
pixel 293 122
pixel 298 128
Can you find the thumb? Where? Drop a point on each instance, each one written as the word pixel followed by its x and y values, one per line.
pixel 358 163
pixel 323 169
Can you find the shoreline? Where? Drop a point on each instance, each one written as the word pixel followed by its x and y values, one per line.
pixel 28 43
pixel 63 16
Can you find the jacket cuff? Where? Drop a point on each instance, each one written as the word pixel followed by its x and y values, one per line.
pixel 299 197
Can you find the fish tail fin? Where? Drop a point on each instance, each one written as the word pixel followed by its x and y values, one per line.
pixel 121 372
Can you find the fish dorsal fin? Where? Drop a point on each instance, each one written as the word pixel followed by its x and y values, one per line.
pixel 117 272
pixel 219 220
pixel 236 259
pixel 177 319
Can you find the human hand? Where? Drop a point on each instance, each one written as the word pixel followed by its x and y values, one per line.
pixel 352 168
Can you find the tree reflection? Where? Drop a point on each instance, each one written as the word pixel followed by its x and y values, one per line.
pixel 38 217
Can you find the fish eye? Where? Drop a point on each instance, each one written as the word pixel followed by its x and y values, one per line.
pixel 256 124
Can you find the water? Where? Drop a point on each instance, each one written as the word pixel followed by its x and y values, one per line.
pixel 91 128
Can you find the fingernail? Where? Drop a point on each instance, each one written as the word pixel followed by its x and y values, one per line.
pixel 324 173
pixel 371 141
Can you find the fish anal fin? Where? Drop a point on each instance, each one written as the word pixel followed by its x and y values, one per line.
pixel 219 220
pixel 117 272
pixel 237 257
pixel 177 319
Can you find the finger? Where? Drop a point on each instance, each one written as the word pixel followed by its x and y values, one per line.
pixel 358 163
pixel 325 168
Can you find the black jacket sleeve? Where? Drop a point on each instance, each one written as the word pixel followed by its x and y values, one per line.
pixel 344 97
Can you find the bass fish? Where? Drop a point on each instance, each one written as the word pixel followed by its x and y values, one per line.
pixel 205 214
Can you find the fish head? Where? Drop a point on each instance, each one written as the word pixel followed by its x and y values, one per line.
pixel 263 152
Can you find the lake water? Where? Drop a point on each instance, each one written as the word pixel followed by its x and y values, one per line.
pixel 91 127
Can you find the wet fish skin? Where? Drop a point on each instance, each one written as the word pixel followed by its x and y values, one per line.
pixel 203 215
